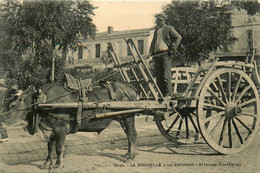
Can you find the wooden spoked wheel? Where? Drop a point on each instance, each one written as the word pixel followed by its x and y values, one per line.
pixel 228 110
pixel 179 126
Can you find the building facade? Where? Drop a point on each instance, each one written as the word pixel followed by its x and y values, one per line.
pixel 247 30
pixel 93 54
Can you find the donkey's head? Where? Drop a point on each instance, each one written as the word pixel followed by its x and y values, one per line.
pixel 21 106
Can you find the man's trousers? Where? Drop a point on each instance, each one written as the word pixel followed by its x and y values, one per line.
pixel 163 74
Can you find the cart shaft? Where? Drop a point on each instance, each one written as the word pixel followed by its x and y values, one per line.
pixel 142 104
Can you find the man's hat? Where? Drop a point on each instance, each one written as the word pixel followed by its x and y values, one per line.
pixel 161 17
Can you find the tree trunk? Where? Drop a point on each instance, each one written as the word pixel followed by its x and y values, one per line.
pixel 53 62
pixel 53 68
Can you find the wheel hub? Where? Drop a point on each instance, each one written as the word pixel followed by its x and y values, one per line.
pixel 232 110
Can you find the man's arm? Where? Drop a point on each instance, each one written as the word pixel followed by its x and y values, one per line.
pixel 151 50
pixel 175 37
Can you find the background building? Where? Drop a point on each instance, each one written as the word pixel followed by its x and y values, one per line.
pixel 93 54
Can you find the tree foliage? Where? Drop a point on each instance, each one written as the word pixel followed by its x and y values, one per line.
pixel 204 27
pixel 40 27
pixel 252 7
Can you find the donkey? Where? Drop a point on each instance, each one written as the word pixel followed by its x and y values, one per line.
pixel 54 130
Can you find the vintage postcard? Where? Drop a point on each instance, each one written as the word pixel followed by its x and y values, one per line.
pixel 129 86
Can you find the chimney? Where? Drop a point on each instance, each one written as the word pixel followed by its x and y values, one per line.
pixel 109 29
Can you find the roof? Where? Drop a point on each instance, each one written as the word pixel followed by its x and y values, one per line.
pixel 123 33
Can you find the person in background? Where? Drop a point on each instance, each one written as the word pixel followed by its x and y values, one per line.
pixel 8 96
pixel 11 95
pixel 165 42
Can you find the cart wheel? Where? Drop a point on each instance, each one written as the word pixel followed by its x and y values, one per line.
pixel 232 98
pixel 179 126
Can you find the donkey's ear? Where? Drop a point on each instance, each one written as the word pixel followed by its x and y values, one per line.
pixel 30 89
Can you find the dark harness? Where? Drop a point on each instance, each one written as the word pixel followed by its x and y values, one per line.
pixel 82 88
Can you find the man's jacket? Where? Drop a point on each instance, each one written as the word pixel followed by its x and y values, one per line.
pixel 170 37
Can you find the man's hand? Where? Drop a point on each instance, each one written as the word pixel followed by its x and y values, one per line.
pixel 170 52
pixel 149 58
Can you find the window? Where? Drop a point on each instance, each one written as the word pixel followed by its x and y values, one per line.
pixel 128 52
pixel 250 44
pixel 251 19
pixel 80 52
pixel 256 42
pixel 141 46
pixel 108 54
pixel 250 34
pixel 97 50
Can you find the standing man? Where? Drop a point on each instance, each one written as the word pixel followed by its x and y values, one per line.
pixel 165 42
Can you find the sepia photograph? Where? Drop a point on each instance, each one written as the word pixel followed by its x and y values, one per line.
pixel 129 86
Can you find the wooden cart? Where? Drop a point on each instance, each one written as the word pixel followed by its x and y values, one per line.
pixel 223 97
pixel 219 101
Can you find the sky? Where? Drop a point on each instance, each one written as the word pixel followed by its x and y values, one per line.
pixel 126 14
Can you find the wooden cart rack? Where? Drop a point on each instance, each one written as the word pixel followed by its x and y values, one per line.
pixel 219 101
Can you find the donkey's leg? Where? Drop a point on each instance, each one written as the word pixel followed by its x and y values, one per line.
pixel 60 145
pixel 49 161
pixel 131 133
pixel 122 123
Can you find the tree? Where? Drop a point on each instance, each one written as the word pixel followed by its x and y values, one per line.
pixel 41 26
pixel 252 7
pixel 204 27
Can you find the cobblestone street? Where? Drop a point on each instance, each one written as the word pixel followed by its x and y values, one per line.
pixel 90 152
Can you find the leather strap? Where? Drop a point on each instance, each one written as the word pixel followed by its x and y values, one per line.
pixel 79 115
pixel 83 91
pixel 111 92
